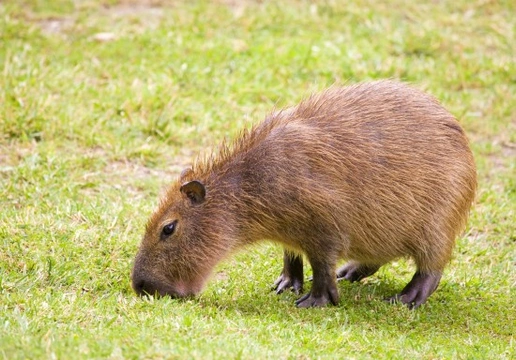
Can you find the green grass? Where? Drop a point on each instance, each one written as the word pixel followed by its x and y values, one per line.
pixel 93 127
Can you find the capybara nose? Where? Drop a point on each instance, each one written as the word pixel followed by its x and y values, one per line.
pixel 142 286
pixel 139 286
pixel 149 287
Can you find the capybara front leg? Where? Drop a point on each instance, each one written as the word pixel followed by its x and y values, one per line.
pixel 292 275
pixel 324 287
pixel 418 289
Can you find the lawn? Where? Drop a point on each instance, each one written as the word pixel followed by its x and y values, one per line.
pixel 104 102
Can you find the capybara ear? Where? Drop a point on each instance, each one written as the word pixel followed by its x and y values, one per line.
pixel 194 190
pixel 185 173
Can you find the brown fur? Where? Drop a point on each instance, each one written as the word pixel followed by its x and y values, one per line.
pixel 370 173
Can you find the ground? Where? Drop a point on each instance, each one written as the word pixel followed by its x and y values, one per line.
pixel 104 102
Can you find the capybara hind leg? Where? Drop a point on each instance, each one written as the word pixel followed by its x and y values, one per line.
pixel 292 275
pixel 418 289
pixel 354 271
pixel 324 287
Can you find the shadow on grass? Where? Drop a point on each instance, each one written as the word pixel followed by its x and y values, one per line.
pixel 453 307
pixel 362 303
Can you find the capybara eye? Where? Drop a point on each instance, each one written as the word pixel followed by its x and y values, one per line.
pixel 169 228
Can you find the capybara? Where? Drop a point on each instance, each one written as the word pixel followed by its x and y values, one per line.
pixel 368 173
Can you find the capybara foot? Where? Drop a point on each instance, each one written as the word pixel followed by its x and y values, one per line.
pixel 417 290
pixel 285 282
pixel 292 275
pixel 311 300
pixel 324 291
pixel 353 271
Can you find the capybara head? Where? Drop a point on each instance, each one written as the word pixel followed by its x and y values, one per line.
pixel 181 243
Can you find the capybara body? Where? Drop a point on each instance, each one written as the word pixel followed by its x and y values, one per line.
pixel 367 173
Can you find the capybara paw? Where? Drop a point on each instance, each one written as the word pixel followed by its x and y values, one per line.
pixel 417 290
pixel 411 300
pixel 288 282
pixel 310 300
pixel 353 271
